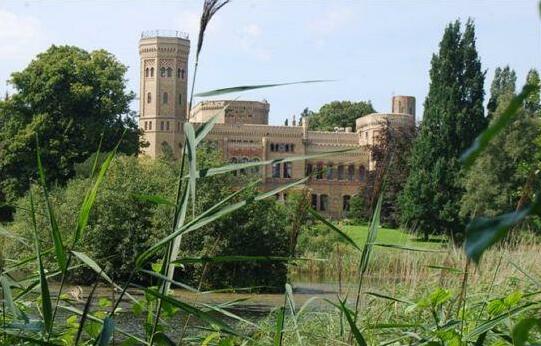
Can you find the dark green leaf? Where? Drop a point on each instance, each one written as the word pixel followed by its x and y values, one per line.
pixel 251 87
pixel 522 330
pixel 106 331
pixel 279 325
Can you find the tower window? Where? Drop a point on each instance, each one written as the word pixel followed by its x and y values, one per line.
pixel 178 73
pixel 323 202
pixel 167 126
pixel 149 97
pixel 169 72
pixel 146 125
pixel 178 126
pixel 161 125
pixel 179 99
pixel 150 125
pixel 165 98
pixel 152 72
pixel 162 72
pixel 147 72
pixel 182 73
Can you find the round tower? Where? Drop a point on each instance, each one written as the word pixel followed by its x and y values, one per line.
pixel 163 89
pixel 404 105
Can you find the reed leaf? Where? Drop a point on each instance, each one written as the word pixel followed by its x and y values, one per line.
pixel 46 305
pixel 522 330
pixel 338 231
pixel 55 232
pixel 279 325
pixel 394 299
pixel 351 321
pixel 189 132
pixel 107 331
pixel 506 118
pixel 86 310
pixel 199 221
pixel 8 299
pixel 371 236
pixel 229 259
pixel 253 87
pixel 407 248
pixel 198 313
pixel 171 281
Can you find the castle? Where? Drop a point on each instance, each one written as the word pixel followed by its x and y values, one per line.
pixel 243 133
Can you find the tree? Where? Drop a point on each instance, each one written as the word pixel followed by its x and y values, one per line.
pixel 453 117
pixel 505 175
pixel 503 84
pixel 71 99
pixel 337 114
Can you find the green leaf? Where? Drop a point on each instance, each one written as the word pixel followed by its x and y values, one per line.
pixel 106 331
pixel 55 232
pixel 407 248
pixel 160 339
pixel 522 330
pixel 506 118
pixel 371 236
pixel 198 313
pixel 192 160
pixel 349 317
pixel 279 325
pixel 251 87
pixel 450 269
pixel 86 310
pixel 8 298
pixel 380 295
pixel 46 305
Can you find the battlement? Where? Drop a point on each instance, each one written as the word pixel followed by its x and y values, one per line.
pixel 164 33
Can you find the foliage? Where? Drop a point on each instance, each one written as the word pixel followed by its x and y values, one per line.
pixel 453 117
pixel 504 176
pixel 70 98
pixel 337 114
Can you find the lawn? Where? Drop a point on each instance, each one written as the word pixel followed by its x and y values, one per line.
pixel 392 236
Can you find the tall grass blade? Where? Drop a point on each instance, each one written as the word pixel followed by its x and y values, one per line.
pixel 198 313
pixel 229 259
pixel 279 326
pixel 46 305
pixel 55 232
pixel 199 221
pixel 522 330
pixel 506 118
pixel 192 160
pixel 252 87
pixel 8 299
pixel 406 248
pixel 107 331
pixel 86 311
pixel 352 325
pixel 291 303
pixel 371 236
pixel 344 236
pixel 384 296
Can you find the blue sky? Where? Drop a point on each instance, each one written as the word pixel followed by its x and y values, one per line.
pixel 373 49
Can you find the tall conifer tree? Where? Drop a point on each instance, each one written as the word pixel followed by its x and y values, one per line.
pixel 453 117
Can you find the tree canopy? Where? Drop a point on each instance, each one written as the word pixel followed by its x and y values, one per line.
pixel 337 114
pixel 71 99
pixel 453 117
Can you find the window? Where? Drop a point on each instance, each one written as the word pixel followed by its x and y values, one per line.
pixel 234 160
pixel 178 73
pixel 179 99
pixel 167 126
pixel 149 97
pixel 272 147
pixel 182 73
pixel 161 126
pixel 150 125
pixel 362 173
pixel 169 72
pixel 292 147
pixel 162 72
pixel 178 126
pixel 323 202
pixel 319 172
pixel 255 170
pixel 146 125
pixel 330 171
pixel 345 203
pixel 308 169
pixel 147 72
pixel 276 170
pixel 314 201
pixel 340 172
pixel 351 172
pixel 165 98
pixel 287 169
pixel 152 72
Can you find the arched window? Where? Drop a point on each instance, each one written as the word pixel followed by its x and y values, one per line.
pixel 288 168
pixel 150 125
pixel 351 172
pixel 309 169
pixel 179 99
pixel 146 125
pixel 161 125
pixel 162 72
pixel 362 173
pixel 330 171
pixel 147 72
pixel 167 126
pixel 169 72
pixel 272 146
pixel 276 170
pixel 345 203
pixel 152 72
pixel 314 201
pixel 323 202
pixel 340 172
pixel 182 73
pixel 165 98
pixel 149 97
pixel 178 73
pixel 319 172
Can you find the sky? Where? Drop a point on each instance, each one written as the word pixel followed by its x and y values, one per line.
pixel 371 50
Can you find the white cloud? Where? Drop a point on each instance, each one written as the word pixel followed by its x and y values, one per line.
pixel 329 23
pixel 20 37
pixel 189 23
pixel 250 41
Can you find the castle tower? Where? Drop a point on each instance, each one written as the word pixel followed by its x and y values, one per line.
pixel 163 89
pixel 404 105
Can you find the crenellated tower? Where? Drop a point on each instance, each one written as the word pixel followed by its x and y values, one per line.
pixel 163 89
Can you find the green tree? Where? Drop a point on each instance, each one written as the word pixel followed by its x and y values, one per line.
pixel 70 98
pixel 503 84
pixel 338 114
pixel 506 174
pixel 453 117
